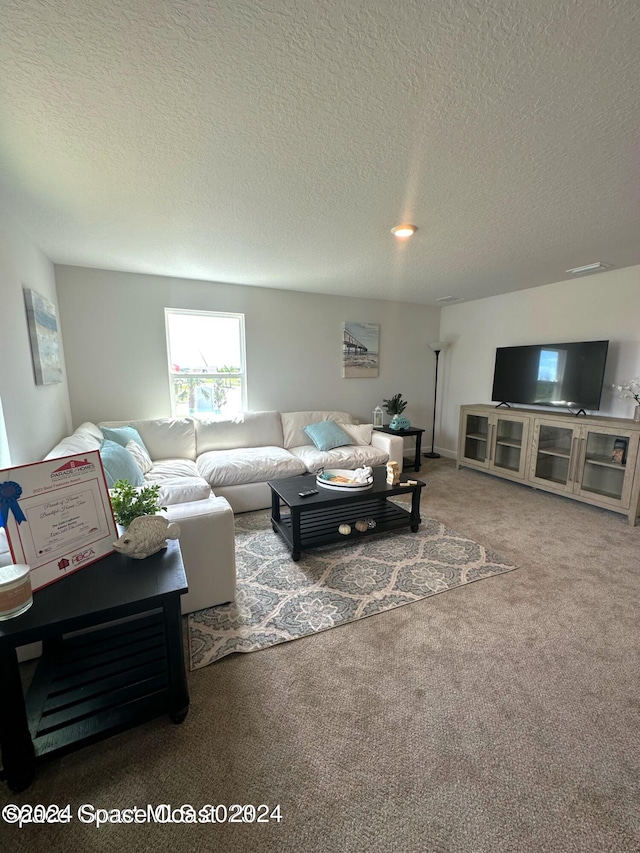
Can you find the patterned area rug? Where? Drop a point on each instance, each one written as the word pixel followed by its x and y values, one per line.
pixel 278 600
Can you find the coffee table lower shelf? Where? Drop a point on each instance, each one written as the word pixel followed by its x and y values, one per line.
pixel 320 527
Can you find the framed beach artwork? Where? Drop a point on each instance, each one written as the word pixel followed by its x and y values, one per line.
pixel 360 350
pixel 43 336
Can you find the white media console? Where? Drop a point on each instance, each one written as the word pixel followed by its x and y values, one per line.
pixel 588 458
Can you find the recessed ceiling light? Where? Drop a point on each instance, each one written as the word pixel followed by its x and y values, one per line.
pixel 404 230
pixel 597 267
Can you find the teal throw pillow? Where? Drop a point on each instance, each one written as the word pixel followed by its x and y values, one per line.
pixel 119 464
pixel 123 435
pixel 326 435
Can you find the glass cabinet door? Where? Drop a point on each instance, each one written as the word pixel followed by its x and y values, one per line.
pixel 476 436
pixel 552 460
pixel 510 445
pixel 607 456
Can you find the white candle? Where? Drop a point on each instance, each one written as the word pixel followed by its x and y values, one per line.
pixel 15 590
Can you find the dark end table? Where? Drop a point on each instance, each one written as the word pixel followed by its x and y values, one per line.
pixel 102 681
pixel 416 432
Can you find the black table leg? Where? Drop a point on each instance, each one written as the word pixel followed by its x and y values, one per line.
pixel 178 690
pixel 296 538
pixel 416 464
pixel 275 510
pixel 18 754
pixel 415 509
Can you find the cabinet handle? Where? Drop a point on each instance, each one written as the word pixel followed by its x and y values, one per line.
pixel 572 460
pixel 490 447
pixel 583 454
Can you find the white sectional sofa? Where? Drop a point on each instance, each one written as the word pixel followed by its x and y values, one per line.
pixel 209 470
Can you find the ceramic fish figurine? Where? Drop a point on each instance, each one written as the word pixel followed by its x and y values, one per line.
pixel 146 535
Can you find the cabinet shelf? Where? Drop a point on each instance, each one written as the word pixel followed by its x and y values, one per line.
pixel 509 442
pixel 477 436
pixel 605 462
pixel 554 451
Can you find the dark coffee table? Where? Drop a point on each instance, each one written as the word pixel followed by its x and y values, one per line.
pixel 315 520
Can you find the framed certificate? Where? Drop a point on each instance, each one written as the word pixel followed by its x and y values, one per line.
pixel 57 515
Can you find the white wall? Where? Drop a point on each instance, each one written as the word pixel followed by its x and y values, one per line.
pixel 605 306
pixel 35 416
pixel 116 349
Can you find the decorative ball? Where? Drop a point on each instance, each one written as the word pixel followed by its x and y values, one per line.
pixel 362 525
pixel 371 523
pixel 345 529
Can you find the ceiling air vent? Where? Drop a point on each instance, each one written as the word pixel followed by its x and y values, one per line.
pixel 447 300
pixel 598 267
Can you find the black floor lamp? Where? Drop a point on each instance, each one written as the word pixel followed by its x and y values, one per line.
pixel 437 347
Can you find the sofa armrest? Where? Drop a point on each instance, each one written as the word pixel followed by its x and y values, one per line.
pixel 391 444
pixel 207 542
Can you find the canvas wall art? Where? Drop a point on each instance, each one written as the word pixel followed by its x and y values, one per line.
pixel 360 350
pixel 43 335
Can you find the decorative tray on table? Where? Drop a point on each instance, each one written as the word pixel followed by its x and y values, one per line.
pixel 340 478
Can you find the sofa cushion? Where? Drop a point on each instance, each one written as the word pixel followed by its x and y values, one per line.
pixel 164 438
pixel 139 453
pixel 249 429
pixel 123 435
pixel 86 437
pixel 327 435
pixel 358 433
pixel 169 469
pixel 293 423
pixel 351 457
pixel 247 465
pixel 183 490
pixel 119 464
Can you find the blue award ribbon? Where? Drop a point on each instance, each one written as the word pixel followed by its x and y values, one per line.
pixel 9 494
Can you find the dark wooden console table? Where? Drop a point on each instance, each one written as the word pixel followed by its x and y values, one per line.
pixel 416 432
pixel 106 679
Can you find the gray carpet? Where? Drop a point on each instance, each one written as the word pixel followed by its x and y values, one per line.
pixel 279 600
pixel 503 716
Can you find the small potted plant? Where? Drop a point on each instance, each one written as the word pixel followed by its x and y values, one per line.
pixel 395 407
pixel 129 502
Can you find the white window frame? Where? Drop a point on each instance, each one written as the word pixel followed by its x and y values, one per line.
pixel 242 374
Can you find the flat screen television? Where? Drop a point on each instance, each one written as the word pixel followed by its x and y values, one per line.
pixel 560 375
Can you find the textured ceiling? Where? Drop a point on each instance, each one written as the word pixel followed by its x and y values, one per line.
pixel 276 142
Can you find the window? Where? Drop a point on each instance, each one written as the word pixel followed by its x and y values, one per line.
pixel 206 363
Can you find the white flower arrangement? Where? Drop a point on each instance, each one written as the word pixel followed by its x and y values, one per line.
pixel 629 390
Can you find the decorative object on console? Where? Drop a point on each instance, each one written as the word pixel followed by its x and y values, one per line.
pixel 399 422
pixel 377 419
pixel 437 347
pixel 341 478
pixel 619 455
pixel 360 350
pixel 128 502
pixel 345 529
pixel 43 336
pixel 631 391
pixel 393 473
pixel 395 406
pixel 146 535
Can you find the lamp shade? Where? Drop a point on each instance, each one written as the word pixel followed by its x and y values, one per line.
pixel 438 346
